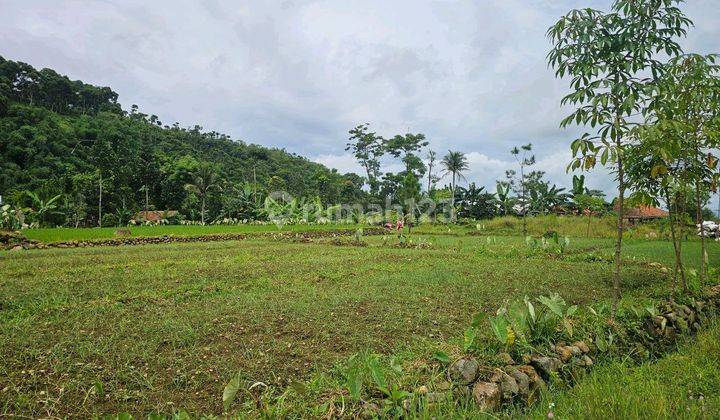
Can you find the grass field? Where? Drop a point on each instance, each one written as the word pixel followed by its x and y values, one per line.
pixel 164 327
pixel 684 385
pixel 81 234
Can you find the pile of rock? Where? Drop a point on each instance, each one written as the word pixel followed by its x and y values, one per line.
pixel 15 240
pixel 677 319
pixel 491 387
pixel 147 240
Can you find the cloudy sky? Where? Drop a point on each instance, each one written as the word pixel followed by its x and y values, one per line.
pixel 298 74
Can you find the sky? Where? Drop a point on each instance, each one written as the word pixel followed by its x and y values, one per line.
pixel 470 75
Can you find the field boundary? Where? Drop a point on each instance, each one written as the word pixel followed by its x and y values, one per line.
pixel 23 243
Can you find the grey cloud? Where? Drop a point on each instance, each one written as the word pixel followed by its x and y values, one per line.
pixel 298 74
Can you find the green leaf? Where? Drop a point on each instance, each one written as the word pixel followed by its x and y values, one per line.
pixel 555 303
pixel 376 372
pixel 230 391
pixel 441 357
pixel 499 326
pixel 469 338
pixel 353 383
pixel 299 387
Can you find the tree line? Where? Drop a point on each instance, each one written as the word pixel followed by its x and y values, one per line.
pixel 72 155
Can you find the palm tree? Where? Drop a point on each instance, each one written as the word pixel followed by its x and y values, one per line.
pixel 454 163
pixel 204 181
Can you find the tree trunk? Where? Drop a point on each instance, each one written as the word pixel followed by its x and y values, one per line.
pixel 589 220
pixel 524 201
pixel 699 221
pixel 678 256
pixel 452 199
pixel 100 204
pixel 618 241
pixel 202 211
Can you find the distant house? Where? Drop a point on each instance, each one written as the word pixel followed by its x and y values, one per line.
pixel 154 215
pixel 643 214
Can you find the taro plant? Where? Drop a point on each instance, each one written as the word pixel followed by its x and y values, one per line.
pixel 365 367
pixel 524 324
pixel 12 217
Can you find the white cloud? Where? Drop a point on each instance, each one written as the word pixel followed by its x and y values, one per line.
pixel 299 73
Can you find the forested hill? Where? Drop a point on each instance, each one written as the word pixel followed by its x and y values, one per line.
pixel 59 136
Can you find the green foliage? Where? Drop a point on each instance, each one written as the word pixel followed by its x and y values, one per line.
pixel 56 141
pixel 525 324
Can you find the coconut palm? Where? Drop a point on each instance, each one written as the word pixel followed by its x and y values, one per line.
pixel 454 163
pixel 204 181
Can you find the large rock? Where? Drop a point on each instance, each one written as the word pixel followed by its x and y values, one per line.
pixel 487 396
pixel 464 371
pixel 546 366
pixel 535 383
pixel 508 386
pixel 564 352
pixel 521 379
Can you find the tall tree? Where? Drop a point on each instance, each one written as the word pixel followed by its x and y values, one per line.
pixel 204 181
pixel 367 147
pixel 608 56
pixel 407 148
pixel 432 179
pixel 454 163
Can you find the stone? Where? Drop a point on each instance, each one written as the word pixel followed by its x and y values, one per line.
pixel 464 371
pixel 582 346
pixel 423 390
pixel 546 365
pixel 575 350
pixel 586 361
pixel 564 352
pixel 505 358
pixel 535 383
pixel 522 381
pixel 508 385
pixel 487 396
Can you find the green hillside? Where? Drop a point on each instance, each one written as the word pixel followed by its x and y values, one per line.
pixel 59 136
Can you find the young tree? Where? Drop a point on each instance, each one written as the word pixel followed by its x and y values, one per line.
pixel 608 56
pixel 686 103
pixel 503 196
pixel 524 159
pixel 42 208
pixel 367 147
pixel 204 181
pixel 454 163
pixel 656 172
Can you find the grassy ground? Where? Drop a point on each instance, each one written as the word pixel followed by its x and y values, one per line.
pixel 161 327
pixel 81 234
pixel 504 226
pixel 683 385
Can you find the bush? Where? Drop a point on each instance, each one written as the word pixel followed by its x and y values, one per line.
pixel 109 220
